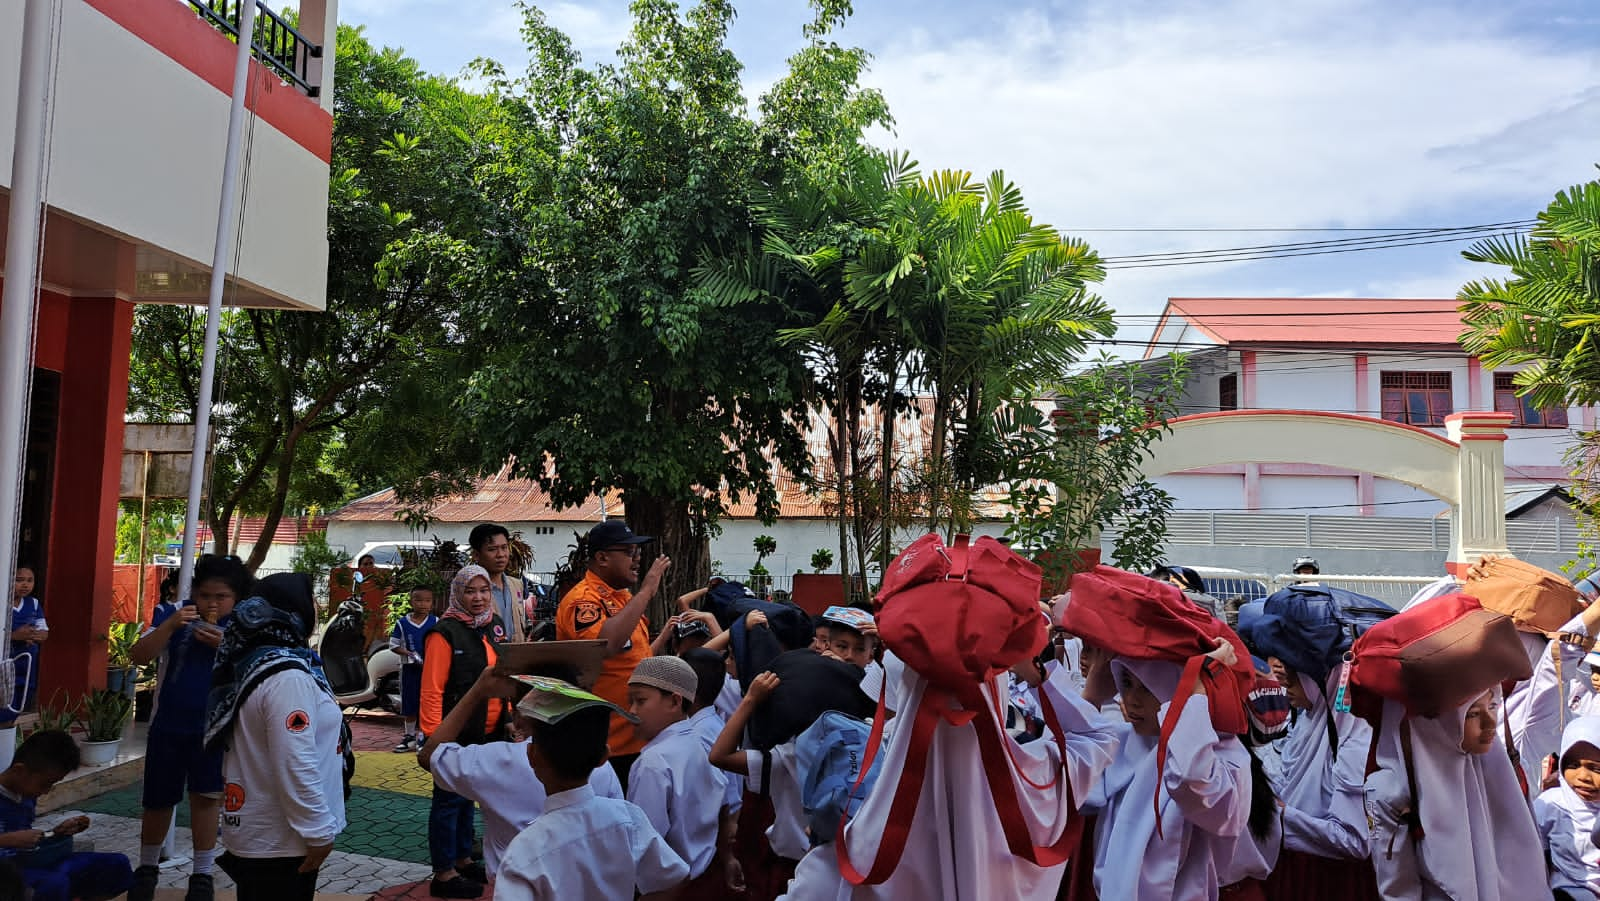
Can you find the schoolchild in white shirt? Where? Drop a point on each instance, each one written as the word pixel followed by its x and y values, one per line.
pixel 673 782
pixel 1567 813
pixel 496 774
pixel 708 722
pixel 582 846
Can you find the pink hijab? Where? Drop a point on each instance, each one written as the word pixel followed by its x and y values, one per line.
pixel 458 588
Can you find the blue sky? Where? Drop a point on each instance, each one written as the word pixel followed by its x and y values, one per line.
pixel 1230 113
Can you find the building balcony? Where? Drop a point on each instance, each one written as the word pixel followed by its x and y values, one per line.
pixel 138 127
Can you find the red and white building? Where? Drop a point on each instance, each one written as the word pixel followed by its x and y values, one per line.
pixel 138 115
pixel 1394 359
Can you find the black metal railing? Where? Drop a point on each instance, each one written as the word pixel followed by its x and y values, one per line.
pixel 276 44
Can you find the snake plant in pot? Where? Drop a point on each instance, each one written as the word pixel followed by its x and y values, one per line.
pixel 103 714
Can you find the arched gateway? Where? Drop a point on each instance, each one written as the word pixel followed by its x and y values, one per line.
pixel 1465 468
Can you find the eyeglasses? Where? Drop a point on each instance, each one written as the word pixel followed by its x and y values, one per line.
pixel 632 550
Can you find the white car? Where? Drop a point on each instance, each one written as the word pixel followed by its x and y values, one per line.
pixel 386 554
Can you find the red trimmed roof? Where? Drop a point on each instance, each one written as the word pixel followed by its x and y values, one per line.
pixel 1311 320
pixel 247 531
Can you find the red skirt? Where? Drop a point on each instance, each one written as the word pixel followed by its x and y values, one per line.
pixel 712 885
pixel 766 875
pixel 1307 877
pixel 1079 882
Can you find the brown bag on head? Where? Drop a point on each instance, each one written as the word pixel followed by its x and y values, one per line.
pixel 1461 660
pixel 1537 600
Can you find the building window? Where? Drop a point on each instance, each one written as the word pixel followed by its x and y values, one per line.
pixel 1523 413
pixel 1417 398
pixel 1228 392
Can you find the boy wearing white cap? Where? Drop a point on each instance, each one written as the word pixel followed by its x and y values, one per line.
pixel 583 845
pixel 673 781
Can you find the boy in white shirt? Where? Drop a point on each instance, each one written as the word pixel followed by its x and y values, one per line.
pixel 673 781
pixel 708 721
pixel 496 774
pixel 582 846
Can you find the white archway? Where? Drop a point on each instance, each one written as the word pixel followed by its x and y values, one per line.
pixel 1465 470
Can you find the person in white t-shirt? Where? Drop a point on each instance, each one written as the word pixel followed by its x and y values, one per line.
pixel 273 714
pixel 496 774
pixel 673 781
pixel 582 846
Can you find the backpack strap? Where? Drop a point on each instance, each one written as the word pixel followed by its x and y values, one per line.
pixel 1004 792
pixel 960 554
pixel 892 843
pixel 1414 816
pixel 1180 697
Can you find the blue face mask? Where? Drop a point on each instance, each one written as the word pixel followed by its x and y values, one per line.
pixel 253 613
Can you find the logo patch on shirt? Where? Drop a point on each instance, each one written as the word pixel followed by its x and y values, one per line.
pixel 499 632
pixel 297 722
pixel 586 614
pixel 233 797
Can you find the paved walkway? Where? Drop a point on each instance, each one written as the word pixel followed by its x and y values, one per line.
pixel 383 851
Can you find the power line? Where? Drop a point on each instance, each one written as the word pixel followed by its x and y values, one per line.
pixel 1278 256
pixel 1256 228
pixel 1460 231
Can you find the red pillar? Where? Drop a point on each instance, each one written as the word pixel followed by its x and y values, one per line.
pixel 83 516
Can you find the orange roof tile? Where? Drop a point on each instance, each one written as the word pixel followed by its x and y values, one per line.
pixel 1312 320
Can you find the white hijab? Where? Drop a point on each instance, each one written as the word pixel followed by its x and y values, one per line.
pixel 1579 859
pixel 1479 841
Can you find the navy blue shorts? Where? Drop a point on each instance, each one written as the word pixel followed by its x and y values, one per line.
pixel 174 763
pixel 410 690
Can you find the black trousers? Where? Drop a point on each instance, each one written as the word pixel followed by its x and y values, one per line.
pixel 269 878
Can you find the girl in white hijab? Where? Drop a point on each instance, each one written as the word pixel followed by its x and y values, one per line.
pixel 1566 814
pixel 1476 840
pixel 1203 795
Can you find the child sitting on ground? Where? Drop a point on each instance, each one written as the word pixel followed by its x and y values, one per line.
pixel 1567 813
pixel 673 782
pixel 41 761
pixel 582 846
pixel 406 640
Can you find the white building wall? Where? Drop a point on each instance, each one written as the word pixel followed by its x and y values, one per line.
pixel 1191 491
pixel 1291 381
pixel 1320 494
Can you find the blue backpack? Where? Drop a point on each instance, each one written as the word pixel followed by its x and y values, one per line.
pixel 1311 627
pixel 829 755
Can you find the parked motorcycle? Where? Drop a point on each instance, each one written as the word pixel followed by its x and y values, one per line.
pixel 360 675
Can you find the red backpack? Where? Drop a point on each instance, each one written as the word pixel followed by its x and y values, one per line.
pixel 958 616
pixel 1134 616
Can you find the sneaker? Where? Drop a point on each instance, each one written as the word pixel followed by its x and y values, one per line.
pixel 475 872
pixel 455 887
pixel 144 884
pixel 407 744
pixel 200 888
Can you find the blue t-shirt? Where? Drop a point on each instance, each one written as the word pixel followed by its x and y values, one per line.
pixel 410 635
pixel 16 814
pixel 28 613
pixel 185 678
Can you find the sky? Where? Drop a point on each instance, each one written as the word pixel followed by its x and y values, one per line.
pixel 1229 114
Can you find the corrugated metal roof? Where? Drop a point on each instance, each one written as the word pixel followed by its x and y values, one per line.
pixel 1313 320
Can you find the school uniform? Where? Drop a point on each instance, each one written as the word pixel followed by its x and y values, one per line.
pixel 1533 712
pixel 1202 799
pixel 1565 821
pixel 681 794
pixel 25 612
pixel 407 640
pixel 82 874
pixel 707 727
pixel 1322 788
pixel 772 833
pixel 178 724
pixel 1245 862
pixel 956 848
pixel 1478 839
pixel 728 698
pixel 588 847
pixel 497 776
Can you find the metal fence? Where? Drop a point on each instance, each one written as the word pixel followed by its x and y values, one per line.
pixel 277 44
pixel 1351 532
pixel 1392 590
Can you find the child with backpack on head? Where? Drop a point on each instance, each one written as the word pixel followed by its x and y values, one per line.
pixel 42 760
pixel 582 845
pixel 1566 815
pixel 673 781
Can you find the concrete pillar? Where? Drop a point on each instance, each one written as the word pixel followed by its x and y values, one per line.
pixel 1478 522
pixel 83 511
pixel 319 21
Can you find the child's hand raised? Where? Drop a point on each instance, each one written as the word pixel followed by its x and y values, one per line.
pixel 761 686
pixel 754 618
pixel 1224 653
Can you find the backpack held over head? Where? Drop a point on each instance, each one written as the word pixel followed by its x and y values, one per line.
pixel 958 617
pixel 1311 627
pixel 788 627
pixel 830 755
pixel 809 685
pixel 1134 616
pixel 1435 657
pixel 1537 600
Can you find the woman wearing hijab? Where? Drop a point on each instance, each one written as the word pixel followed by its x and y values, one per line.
pixel 1474 838
pixel 458 649
pixel 1567 814
pixel 1167 834
pixel 273 715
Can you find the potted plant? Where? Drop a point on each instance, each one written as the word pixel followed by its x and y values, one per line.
pixel 121 674
pixel 103 715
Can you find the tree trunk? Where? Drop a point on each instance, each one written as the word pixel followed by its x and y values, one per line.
pixel 886 515
pixel 681 536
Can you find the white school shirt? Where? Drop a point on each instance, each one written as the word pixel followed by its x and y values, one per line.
pixel 1323 792
pixel 681 793
pixel 728 699
pixel 787 835
pixel 1535 711
pixel 496 774
pixel 708 726
pixel 284 770
pixel 583 846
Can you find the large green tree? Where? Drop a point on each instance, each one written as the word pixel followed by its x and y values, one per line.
pixel 313 407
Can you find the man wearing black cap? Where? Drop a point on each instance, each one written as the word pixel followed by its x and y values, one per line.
pixel 602 607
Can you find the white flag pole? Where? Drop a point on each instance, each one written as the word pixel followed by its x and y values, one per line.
pixel 219 271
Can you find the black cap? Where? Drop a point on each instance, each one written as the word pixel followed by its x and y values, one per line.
pixel 611 533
